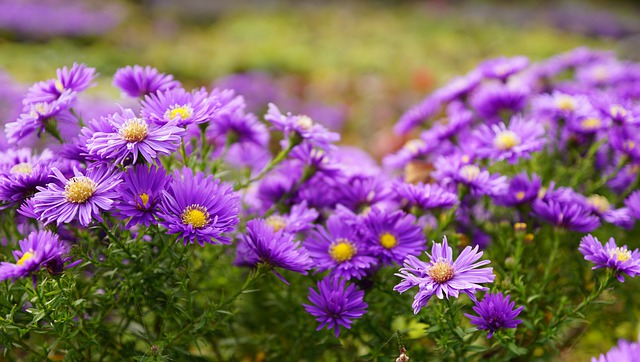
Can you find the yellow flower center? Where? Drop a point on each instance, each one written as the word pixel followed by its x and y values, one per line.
pixel 621 254
pixel 342 251
pixel 23 168
pixel 277 222
pixel 144 201
pixel 617 111
pixel 26 256
pixel 134 130
pixel 441 271
pixel 196 216
pixel 501 69
pixel 414 145
pixel 590 123
pixel 177 112
pixel 304 122
pixel 388 241
pixel 520 195
pixel 566 103
pixel 465 158
pixel 470 172
pixel 599 202
pixel 506 140
pixel 79 189
pixel 600 73
pixel 38 109
pixel 59 86
pixel 628 145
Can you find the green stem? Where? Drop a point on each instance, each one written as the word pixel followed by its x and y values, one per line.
pixel 273 163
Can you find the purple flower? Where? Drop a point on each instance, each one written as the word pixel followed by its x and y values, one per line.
pixel 633 204
pixel 300 218
pixel 453 170
pixel 340 249
pixel 495 312
pixel 502 68
pixel 179 107
pixel 301 127
pixel 500 142
pixel 392 236
pixel 131 136
pixel 522 190
pixel 275 248
pixel 22 174
pixel 140 194
pixel 358 192
pixel 460 87
pixel 232 123
pixel 426 197
pixel 618 258
pixel 625 351
pixel 417 114
pixel 442 276
pixel 493 100
pixel 140 81
pixel 199 209
pixel 37 250
pixel 335 304
pixel 81 197
pixel 568 214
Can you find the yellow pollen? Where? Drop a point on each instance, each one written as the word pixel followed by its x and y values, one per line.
pixel 79 189
pixel 566 103
pixel 37 109
pixel 506 140
pixel 277 222
pixel 26 256
pixel 600 73
pixel 501 69
pixel 465 158
pixel 195 215
pixel 342 251
pixel 388 241
pixel 441 272
pixel 23 168
pixel 59 86
pixel 617 111
pixel 134 130
pixel 599 202
pixel 590 123
pixel 470 172
pixel 145 201
pixel 414 145
pixel 179 112
pixel 628 145
pixel 621 254
pixel 304 122
pixel 520 195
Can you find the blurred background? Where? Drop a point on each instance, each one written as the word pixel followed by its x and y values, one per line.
pixel 354 66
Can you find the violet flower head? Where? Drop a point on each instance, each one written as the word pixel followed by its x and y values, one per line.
pixel 36 251
pixel 522 190
pixel 417 114
pixel 81 197
pixel 495 312
pixel 300 218
pixel 617 258
pixel 493 100
pixel 140 81
pixel 392 236
pixel 179 107
pixel 442 276
pixel 451 171
pixel 633 204
pixel 140 194
pixel 568 214
pixel 275 249
pixel 518 140
pixel 625 351
pixel 426 197
pixel 198 208
pixel 339 248
pixel 20 177
pixel 301 127
pixel 78 78
pixel 502 68
pixel 336 304
pixel 131 136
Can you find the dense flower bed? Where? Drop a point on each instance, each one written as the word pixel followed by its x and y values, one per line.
pixel 171 229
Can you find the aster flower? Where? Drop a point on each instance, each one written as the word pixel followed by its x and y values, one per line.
pixel 275 249
pixel 568 214
pixel 300 218
pixel 491 101
pixel 495 312
pixel 231 122
pixel 442 276
pixel 522 190
pixel 618 258
pixel 426 197
pixel 453 170
pixel 81 197
pixel 518 140
pixel 600 206
pixel 336 304
pixel 73 81
pixel 21 182
pixel 131 136
pixel 140 81
pixel 198 208
pixel 340 249
pixel 357 192
pixel 633 204
pixel 39 249
pixel 558 105
pixel 417 114
pixel 460 87
pixel 502 68
pixel 625 351
pixel 140 194
pixel 179 107
pixel 392 236
pixel 302 127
